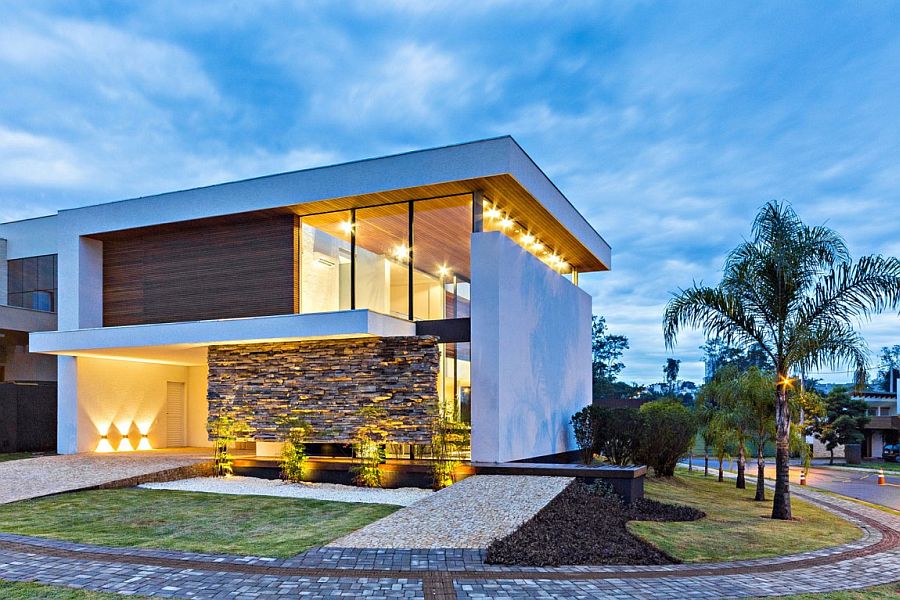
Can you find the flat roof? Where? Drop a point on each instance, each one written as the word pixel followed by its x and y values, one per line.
pixel 491 163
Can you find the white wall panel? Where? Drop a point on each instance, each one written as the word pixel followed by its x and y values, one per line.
pixel 531 353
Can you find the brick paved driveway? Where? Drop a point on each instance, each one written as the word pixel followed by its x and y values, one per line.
pixel 46 475
pixel 449 573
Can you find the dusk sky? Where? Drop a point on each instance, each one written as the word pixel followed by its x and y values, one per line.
pixel 666 124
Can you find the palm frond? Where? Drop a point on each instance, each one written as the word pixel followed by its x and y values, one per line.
pixel 715 311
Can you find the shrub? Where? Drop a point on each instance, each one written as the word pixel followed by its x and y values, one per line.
pixel 448 440
pixel 224 430
pixel 666 433
pixel 583 425
pixel 616 433
pixel 293 449
pixel 368 447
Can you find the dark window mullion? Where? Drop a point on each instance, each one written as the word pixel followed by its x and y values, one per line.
pixel 352 259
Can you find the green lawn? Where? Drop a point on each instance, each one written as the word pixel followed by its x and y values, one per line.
pixel 20 455
pixel 881 592
pixel 197 522
pixel 34 591
pixel 736 527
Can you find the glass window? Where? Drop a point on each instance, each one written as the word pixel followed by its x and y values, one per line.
pixel 442 230
pixel 325 262
pixel 14 277
pixel 382 259
pixel 31 283
pixel 455 381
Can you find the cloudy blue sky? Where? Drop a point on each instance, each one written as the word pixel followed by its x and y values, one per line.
pixel 666 124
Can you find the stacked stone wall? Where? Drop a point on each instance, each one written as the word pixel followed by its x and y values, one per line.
pixel 326 383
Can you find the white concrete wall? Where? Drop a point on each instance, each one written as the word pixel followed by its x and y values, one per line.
pixel 98 396
pixel 531 353
pixel 197 412
pixel 30 237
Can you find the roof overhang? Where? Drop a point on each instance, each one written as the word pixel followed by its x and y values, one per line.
pixel 185 343
pixel 498 167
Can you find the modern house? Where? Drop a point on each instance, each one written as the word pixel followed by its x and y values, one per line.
pixel 884 420
pixel 436 280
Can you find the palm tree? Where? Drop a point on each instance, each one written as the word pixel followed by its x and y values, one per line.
pixel 757 389
pixel 794 290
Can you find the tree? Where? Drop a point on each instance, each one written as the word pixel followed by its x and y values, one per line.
pixel 794 290
pixel 719 354
pixel 670 370
pixel 843 422
pixel 667 431
pixel 890 360
pixel 758 413
pixel 606 350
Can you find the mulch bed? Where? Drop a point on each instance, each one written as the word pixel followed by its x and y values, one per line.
pixel 586 525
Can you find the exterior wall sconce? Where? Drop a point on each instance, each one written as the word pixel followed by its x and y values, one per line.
pixel 104 445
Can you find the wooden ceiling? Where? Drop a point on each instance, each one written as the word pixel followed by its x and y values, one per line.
pixel 503 191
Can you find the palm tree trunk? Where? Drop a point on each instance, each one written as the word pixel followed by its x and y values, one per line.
pixel 721 469
pixel 831 459
pixel 781 506
pixel 741 464
pixel 760 474
pixel 705 460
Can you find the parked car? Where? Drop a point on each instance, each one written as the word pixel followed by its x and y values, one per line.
pixel 891 452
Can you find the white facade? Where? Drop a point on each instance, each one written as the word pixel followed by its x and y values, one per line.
pixel 531 353
pixel 530 327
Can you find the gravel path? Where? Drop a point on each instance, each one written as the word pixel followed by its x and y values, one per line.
pixel 469 514
pixel 253 486
pixel 45 475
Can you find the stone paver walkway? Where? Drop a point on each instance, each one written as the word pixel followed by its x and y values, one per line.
pixel 468 514
pixel 455 573
pixel 46 475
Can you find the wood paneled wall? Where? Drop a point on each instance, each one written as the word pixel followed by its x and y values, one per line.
pixel 204 270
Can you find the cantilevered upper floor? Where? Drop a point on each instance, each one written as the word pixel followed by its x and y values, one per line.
pixel 391 235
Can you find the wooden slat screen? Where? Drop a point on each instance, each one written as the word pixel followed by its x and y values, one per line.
pixel 201 271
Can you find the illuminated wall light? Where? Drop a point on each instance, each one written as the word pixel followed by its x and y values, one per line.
pixel 347 227
pixel 443 271
pixel 492 213
pixel 104 445
pixel 144 444
pixel 401 252
pixel 537 246
pixel 124 445
pixel 506 223
pixel 528 239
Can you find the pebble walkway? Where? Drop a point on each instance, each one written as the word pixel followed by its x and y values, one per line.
pixel 468 514
pixel 454 573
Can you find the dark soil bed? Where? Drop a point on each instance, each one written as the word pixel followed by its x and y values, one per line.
pixel 586 525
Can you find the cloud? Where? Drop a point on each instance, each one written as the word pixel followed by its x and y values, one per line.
pixel 668 126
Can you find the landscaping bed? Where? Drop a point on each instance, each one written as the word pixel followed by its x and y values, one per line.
pixel 188 521
pixel 586 524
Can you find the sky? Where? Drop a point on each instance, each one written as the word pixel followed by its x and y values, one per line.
pixel 666 124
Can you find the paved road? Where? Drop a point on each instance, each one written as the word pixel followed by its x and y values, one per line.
pixel 855 484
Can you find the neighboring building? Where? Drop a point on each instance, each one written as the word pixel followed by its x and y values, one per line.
pixel 442 279
pixel 884 421
pixel 883 426
pixel 27 380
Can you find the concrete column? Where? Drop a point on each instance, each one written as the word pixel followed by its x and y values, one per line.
pixel 80 282
pixel 67 405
